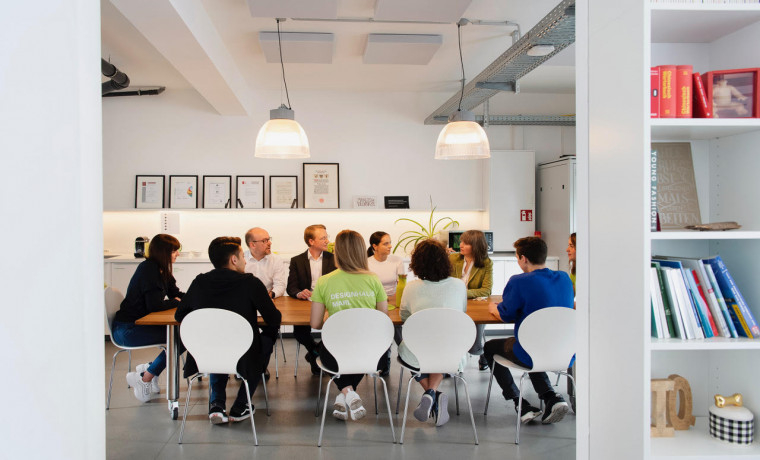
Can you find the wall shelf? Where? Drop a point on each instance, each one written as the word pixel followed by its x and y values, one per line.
pixel 697 235
pixel 713 343
pixel 697 444
pixel 673 129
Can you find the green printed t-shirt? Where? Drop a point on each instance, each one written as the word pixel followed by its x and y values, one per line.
pixel 339 290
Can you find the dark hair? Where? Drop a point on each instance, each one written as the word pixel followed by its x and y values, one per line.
pixel 430 261
pixel 533 248
pixel 375 238
pixel 160 251
pixel 477 240
pixel 308 233
pixel 222 248
pixel 572 262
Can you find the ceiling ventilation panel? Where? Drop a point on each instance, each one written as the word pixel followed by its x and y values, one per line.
pixel 409 49
pixel 298 47
pixel 316 9
pixel 447 11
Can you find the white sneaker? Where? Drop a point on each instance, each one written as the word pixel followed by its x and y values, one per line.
pixel 140 368
pixel 142 389
pixel 354 403
pixel 339 408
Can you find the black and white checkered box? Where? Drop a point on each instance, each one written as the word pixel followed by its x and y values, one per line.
pixel 732 424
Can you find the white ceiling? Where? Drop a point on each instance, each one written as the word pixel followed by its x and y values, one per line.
pixel 213 46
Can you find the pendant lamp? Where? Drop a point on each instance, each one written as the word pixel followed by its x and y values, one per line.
pixel 462 138
pixel 282 137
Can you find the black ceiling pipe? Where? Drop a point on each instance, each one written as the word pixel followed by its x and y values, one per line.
pixel 118 79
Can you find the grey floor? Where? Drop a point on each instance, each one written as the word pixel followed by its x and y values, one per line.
pixel 146 431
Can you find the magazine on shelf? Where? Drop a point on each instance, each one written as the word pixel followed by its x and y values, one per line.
pixel 721 302
pixel 740 313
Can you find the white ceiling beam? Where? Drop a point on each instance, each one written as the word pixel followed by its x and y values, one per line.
pixel 183 33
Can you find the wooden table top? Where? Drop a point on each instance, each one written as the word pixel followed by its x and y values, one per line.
pixel 297 312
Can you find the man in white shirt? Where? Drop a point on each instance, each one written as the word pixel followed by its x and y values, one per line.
pixel 264 265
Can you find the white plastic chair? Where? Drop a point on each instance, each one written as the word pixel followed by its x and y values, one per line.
pixel 356 338
pixel 113 299
pixel 548 336
pixel 438 338
pixel 214 356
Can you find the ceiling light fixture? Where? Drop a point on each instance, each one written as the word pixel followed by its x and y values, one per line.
pixel 282 137
pixel 462 138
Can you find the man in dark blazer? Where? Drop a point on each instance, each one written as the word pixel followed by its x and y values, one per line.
pixel 305 269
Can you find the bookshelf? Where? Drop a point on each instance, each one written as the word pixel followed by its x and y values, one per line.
pixel 726 160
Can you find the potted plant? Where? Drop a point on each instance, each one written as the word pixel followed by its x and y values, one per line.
pixel 431 231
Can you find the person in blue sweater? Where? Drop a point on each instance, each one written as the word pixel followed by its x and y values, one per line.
pixel 536 288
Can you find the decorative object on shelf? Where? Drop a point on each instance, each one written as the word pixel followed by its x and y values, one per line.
pixel 730 421
pixel 733 93
pixel 714 226
pixel 396 202
pixel 283 192
pixel 668 414
pixel 660 389
pixel 183 192
pixel 321 185
pixel 282 136
pixel 149 192
pixel 462 138
pixel 250 192
pixel 431 231
pixel 677 201
pixel 365 202
pixel 217 192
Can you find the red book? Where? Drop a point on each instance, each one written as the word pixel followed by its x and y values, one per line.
pixel 684 91
pixel 654 74
pixel 701 109
pixel 707 306
pixel 667 91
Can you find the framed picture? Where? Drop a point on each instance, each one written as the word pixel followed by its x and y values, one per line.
pixel 733 93
pixel 321 185
pixel 365 202
pixel 217 192
pixel 149 192
pixel 283 192
pixel 250 192
pixel 183 192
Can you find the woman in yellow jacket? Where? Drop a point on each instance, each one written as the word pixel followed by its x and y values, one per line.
pixel 473 266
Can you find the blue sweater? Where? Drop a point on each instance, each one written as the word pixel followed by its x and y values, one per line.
pixel 529 292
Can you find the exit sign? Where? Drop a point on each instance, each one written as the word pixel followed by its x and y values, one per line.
pixel 526 215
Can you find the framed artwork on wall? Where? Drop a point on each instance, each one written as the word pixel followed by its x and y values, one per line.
pixel 183 192
pixel 283 192
pixel 217 192
pixel 321 185
pixel 149 192
pixel 250 192
pixel 733 93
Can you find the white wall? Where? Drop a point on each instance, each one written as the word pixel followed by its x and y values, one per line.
pixel 51 339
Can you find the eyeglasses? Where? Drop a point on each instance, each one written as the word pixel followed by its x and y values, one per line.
pixel 324 238
pixel 265 240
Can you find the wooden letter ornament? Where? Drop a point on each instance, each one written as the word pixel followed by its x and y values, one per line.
pixel 723 401
pixel 683 418
pixel 660 389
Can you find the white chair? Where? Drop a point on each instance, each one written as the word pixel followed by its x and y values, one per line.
pixel 214 356
pixel 548 336
pixel 113 299
pixel 356 338
pixel 438 338
pixel 284 358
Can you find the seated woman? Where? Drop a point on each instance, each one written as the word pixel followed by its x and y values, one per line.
pixel 354 282
pixel 385 265
pixel 473 266
pixel 434 289
pixel 152 288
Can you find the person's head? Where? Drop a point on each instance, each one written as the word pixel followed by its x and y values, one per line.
pixel 164 249
pixel 259 242
pixel 571 252
pixel 430 261
pixel 226 252
pixel 533 249
pixel 472 243
pixel 350 252
pixel 315 236
pixel 379 245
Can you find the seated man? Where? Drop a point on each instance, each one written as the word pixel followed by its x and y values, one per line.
pixel 227 286
pixel 305 270
pixel 538 287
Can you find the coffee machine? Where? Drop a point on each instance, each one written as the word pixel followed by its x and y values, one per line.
pixel 141 246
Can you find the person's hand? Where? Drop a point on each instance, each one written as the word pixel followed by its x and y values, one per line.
pixel 177 299
pixel 450 251
pixel 304 295
pixel 493 309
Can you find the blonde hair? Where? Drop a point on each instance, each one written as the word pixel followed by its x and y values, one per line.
pixel 351 252
pixel 310 232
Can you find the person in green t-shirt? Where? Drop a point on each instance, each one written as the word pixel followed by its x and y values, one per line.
pixel 352 285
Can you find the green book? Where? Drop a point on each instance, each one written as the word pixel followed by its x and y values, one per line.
pixel 665 301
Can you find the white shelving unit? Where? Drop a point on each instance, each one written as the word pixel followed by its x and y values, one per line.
pixel 711 37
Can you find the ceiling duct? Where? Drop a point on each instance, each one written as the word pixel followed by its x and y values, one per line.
pixel 118 79
pixel 137 91
pixel 556 29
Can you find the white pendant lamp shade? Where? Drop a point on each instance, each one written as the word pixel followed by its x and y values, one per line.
pixel 282 137
pixel 462 139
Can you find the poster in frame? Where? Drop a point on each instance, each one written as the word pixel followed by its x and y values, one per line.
pixel 217 192
pixel 250 192
pixel 321 185
pixel 283 192
pixel 149 191
pixel 733 93
pixel 183 192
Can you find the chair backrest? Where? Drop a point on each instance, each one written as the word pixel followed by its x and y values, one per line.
pixel 214 354
pixel 548 336
pixel 113 299
pixel 439 338
pixel 357 338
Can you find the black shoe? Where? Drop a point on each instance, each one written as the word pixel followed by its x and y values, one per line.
pixel 217 415
pixel 529 412
pixel 238 415
pixel 312 359
pixel 266 377
pixel 482 363
pixel 555 409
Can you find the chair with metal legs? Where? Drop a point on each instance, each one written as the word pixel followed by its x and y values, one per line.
pixel 284 359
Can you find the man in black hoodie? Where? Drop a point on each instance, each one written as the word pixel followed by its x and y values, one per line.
pixel 227 286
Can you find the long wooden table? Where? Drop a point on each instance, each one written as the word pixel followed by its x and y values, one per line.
pixel 295 312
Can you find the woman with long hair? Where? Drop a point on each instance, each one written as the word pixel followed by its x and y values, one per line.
pixel 152 288
pixel 352 285
pixel 385 265
pixel 571 257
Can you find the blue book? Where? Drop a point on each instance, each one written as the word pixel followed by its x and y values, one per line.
pixel 740 313
pixel 721 301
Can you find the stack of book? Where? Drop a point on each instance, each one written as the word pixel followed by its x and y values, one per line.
pixel 678 92
pixel 696 299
